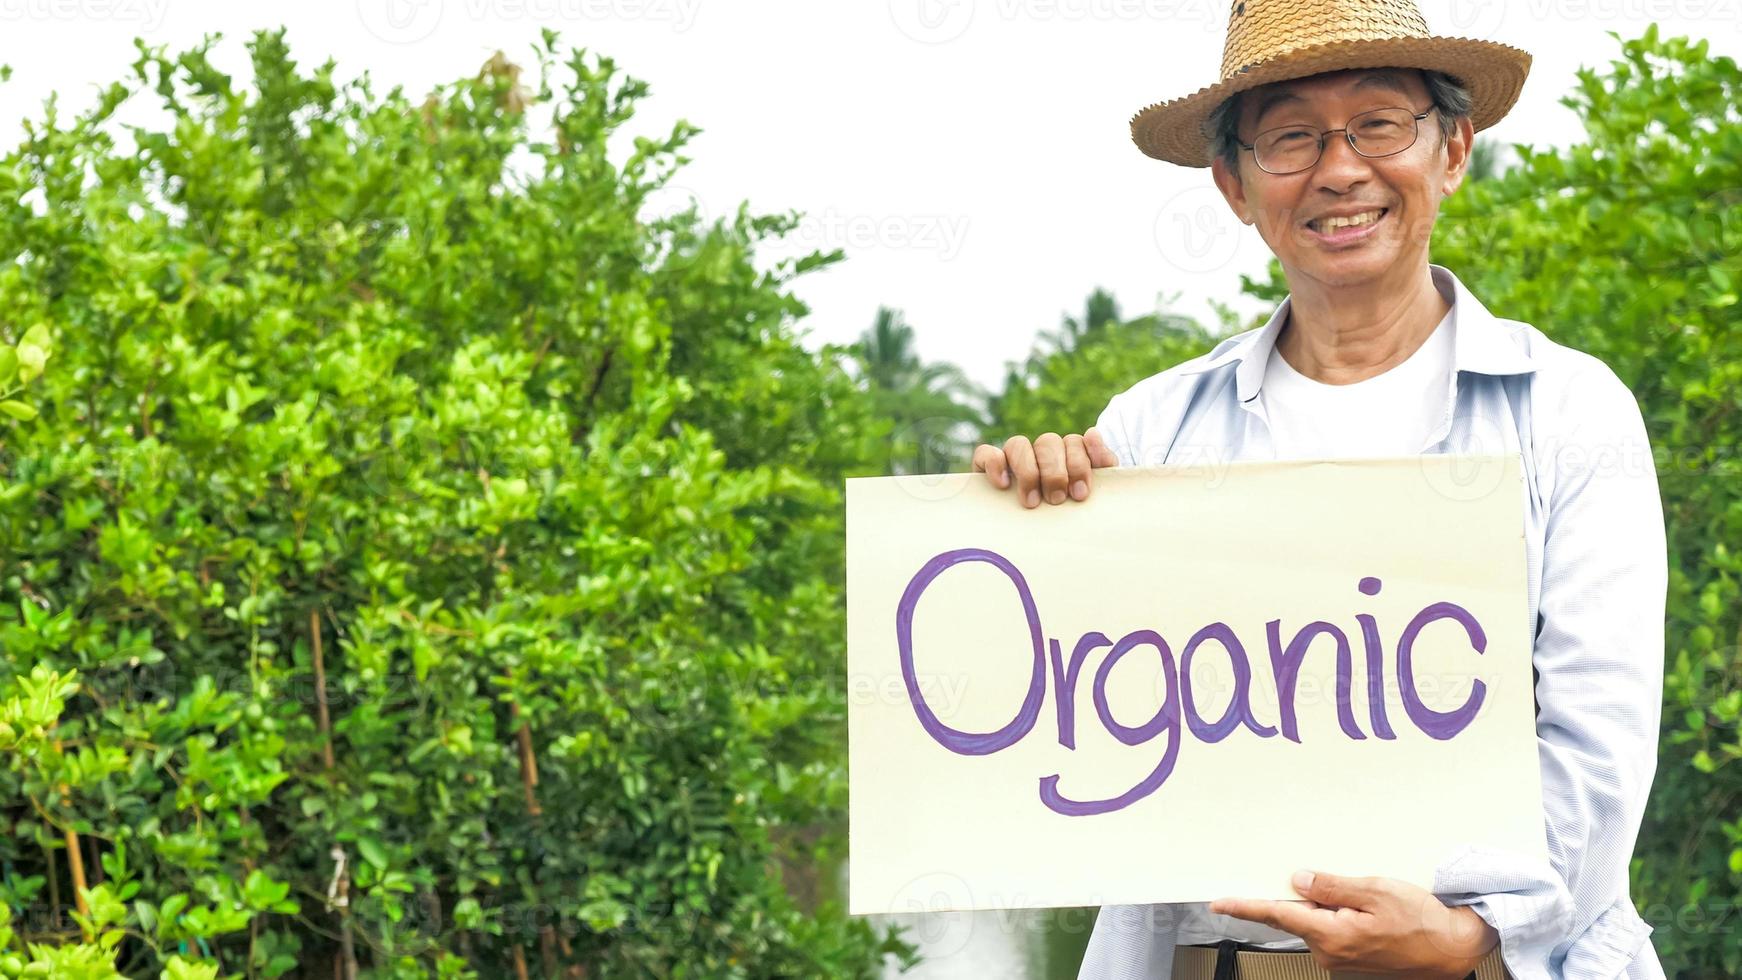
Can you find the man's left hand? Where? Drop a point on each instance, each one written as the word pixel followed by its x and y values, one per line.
pixel 1374 925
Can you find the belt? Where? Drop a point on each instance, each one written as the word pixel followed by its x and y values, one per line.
pixel 1228 961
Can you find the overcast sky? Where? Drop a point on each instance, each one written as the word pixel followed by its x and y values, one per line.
pixel 972 157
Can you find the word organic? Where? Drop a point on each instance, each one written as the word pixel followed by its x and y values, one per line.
pixel 1178 705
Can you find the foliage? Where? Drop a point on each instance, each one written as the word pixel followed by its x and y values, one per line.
pixel 20 364
pixel 420 560
pixel 1628 245
pixel 923 410
pixel 1066 381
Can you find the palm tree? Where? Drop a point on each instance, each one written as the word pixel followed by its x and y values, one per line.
pixel 1099 310
pixel 932 408
pixel 1081 341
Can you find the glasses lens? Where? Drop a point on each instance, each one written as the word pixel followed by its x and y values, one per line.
pixel 1378 133
pixel 1285 150
pixel 1383 131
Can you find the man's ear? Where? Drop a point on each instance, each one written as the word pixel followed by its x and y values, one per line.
pixel 1233 190
pixel 1459 142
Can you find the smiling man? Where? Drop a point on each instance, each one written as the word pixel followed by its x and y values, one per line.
pixel 1337 129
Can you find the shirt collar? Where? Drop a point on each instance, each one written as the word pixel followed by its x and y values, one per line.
pixel 1481 342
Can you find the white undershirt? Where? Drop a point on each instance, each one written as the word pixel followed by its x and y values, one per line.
pixel 1390 414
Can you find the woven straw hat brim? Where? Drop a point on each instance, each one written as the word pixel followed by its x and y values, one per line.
pixel 1493 72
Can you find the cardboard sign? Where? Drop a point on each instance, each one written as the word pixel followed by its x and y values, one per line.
pixel 1189 686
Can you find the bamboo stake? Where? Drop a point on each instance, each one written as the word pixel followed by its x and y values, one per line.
pixel 75 860
pixel 529 782
pixel 53 888
pixel 528 765
pixel 341 900
pixel 547 947
pixel 96 864
pixel 76 865
pixel 340 897
pixel 314 631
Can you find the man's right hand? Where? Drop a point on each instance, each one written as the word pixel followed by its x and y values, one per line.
pixel 1051 467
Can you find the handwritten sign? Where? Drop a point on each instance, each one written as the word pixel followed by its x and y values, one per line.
pixel 1190 685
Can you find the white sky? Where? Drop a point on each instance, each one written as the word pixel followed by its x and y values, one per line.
pixel 973 157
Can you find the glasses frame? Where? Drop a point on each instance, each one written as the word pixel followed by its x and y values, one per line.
pixel 1344 129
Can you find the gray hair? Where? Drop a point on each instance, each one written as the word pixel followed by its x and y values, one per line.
pixel 1451 102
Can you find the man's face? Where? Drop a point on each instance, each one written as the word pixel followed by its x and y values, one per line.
pixel 1405 188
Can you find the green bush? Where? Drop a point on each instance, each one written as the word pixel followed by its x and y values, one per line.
pixel 1068 378
pixel 420 559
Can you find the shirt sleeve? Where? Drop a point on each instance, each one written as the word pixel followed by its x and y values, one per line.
pixel 1112 429
pixel 1599 654
pixel 1131 942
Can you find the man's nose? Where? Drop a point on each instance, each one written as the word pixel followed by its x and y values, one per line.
pixel 1339 165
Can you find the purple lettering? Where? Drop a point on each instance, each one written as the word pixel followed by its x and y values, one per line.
pixel 1179 703
pixel 1286 664
pixel 1375 666
pixel 1239 708
pixel 1166 719
pixel 1169 706
pixel 1065 683
pixel 1439 724
pixel 970 743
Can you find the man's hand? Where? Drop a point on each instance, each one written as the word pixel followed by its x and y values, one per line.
pixel 1051 466
pixel 1374 925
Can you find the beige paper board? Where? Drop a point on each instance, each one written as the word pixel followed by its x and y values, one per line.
pixel 961 817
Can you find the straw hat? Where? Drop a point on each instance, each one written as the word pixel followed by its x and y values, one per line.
pixel 1273 40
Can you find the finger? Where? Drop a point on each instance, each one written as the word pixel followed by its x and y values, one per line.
pixel 1100 454
pixel 1298 918
pixel 1019 456
pixel 1338 891
pixel 989 459
pixel 1077 466
pixel 1049 454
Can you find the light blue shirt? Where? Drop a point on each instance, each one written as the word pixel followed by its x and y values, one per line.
pixel 1597 579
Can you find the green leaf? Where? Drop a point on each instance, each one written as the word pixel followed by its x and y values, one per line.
pixel 31 360
pixel 37 336
pixel 372 852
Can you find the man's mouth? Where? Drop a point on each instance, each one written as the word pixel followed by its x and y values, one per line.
pixel 1330 226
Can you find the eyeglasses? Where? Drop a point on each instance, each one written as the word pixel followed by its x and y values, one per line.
pixel 1375 133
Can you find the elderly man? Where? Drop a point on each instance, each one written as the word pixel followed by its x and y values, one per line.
pixel 1337 129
